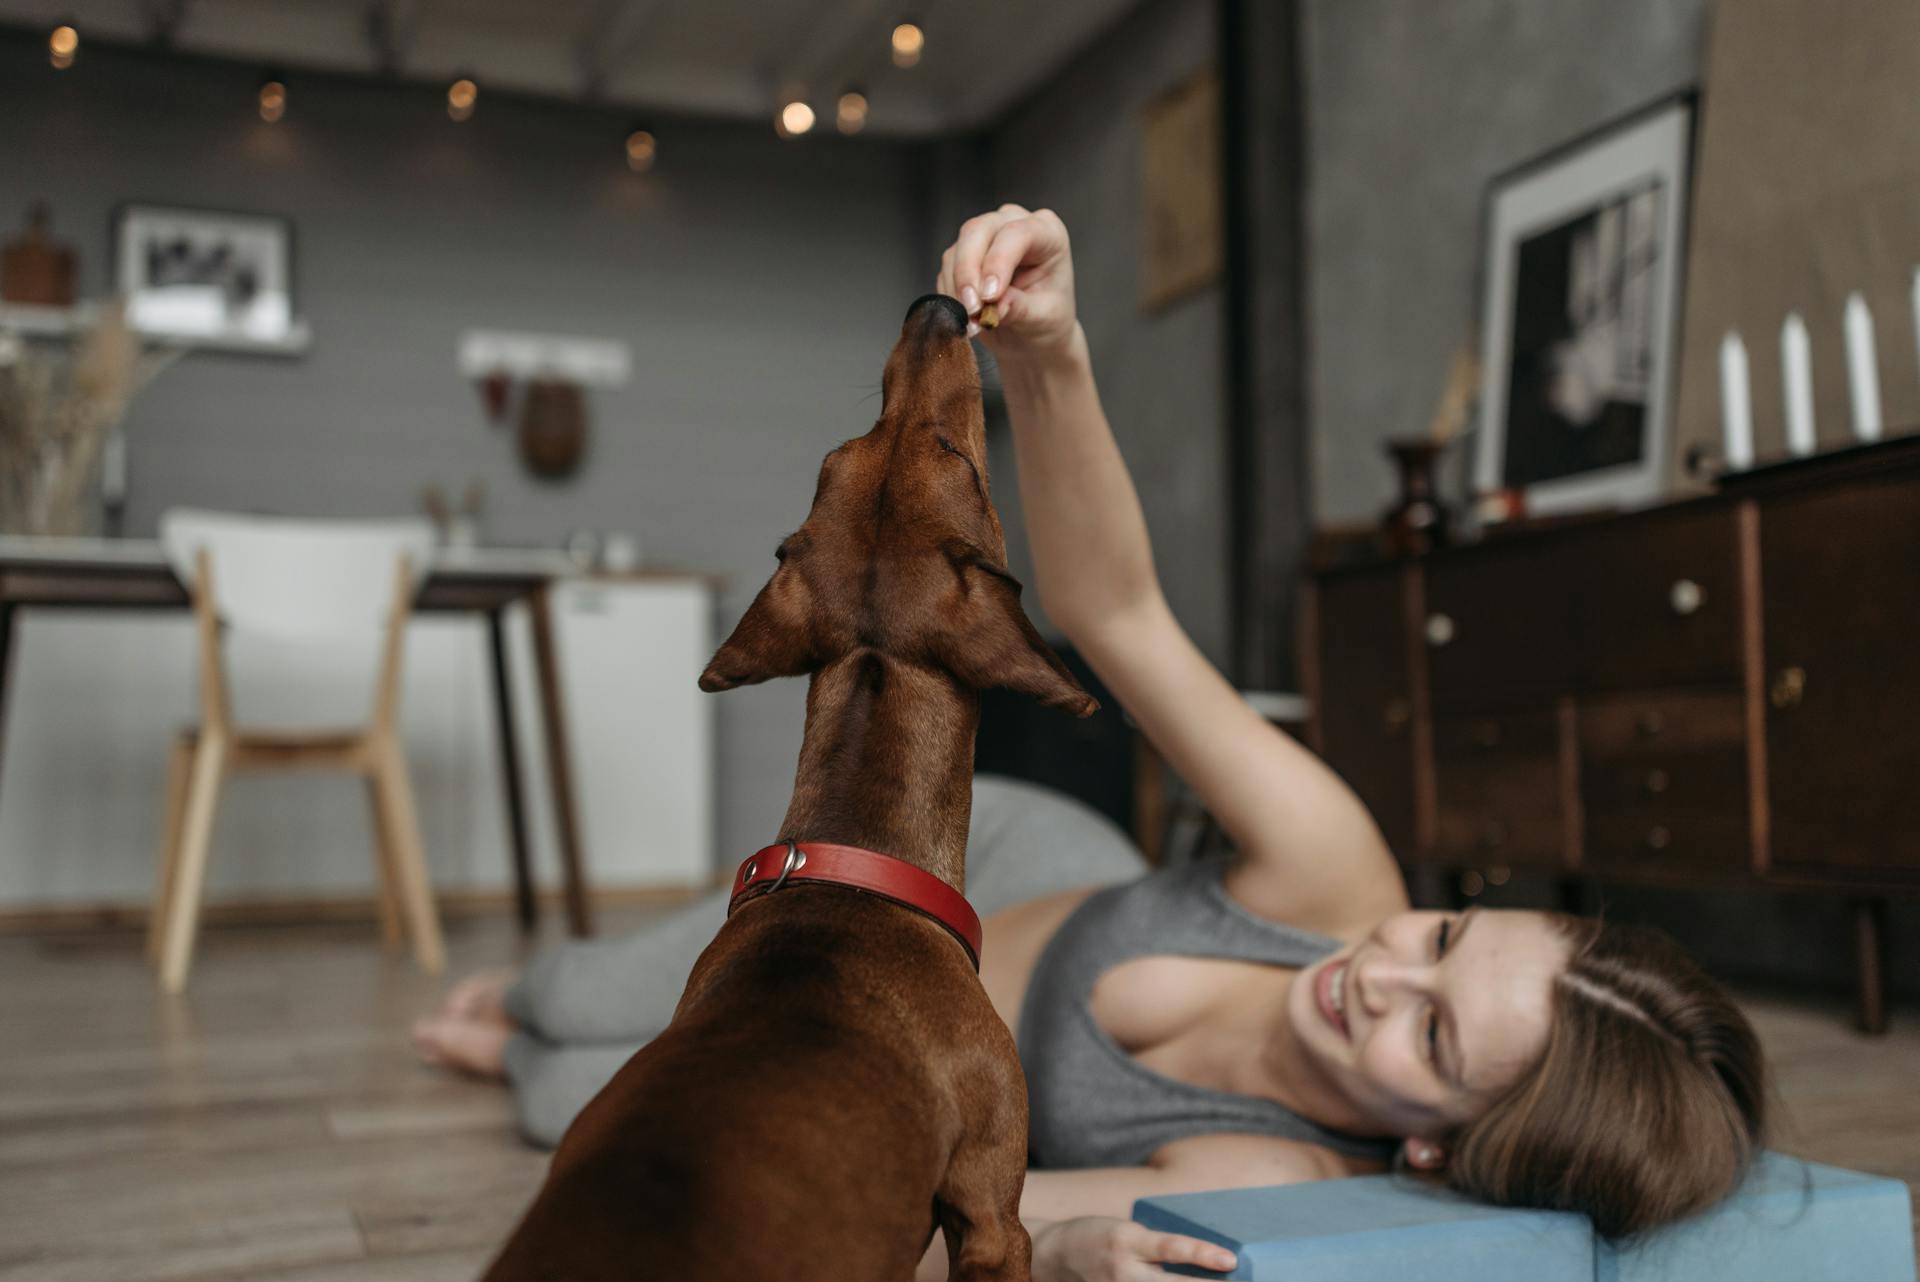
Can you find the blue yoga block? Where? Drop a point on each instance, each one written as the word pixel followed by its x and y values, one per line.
pixel 1375 1228
pixel 1791 1221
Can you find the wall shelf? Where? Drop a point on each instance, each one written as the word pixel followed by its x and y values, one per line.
pixel 29 320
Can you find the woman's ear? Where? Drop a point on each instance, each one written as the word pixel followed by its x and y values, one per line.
pixel 1424 1155
pixel 774 638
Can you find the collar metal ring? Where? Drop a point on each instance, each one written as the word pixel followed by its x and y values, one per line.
pixel 796 860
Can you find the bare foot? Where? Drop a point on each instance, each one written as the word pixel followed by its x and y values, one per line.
pixel 470 1030
pixel 476 1046
pixel 480 996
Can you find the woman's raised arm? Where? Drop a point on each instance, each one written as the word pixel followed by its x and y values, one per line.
pixel 1311 852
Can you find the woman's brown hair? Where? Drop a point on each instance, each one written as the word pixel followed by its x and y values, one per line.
pixel 1647 1104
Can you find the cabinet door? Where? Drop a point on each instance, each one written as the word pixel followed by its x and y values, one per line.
pixel 1496 625
pixel 1363 703
pixel 1840 573
pixel 1656 600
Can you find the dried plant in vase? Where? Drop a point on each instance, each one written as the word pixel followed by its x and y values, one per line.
pixel 58 402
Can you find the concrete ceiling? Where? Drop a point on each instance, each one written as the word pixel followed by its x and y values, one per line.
pixel 726 58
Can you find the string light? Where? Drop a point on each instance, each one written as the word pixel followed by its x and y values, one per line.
pixel 851 115
pixel 795 119
pixel 273 98
pixel 62 45
pixel 908 43
pixel 462 94
pixel 641 150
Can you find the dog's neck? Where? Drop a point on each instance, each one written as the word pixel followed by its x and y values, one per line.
pixel 886 763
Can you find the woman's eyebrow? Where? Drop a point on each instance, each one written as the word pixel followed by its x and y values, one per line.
pixel 1449 1029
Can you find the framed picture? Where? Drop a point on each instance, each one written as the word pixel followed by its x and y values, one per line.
pixel 1182 246
pixel 1582 272
pixel 207 278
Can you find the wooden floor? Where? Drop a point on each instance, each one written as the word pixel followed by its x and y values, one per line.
pixel 272 1124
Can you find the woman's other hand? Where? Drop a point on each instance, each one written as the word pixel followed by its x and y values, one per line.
pixel 1021 261
pixel 1098 1249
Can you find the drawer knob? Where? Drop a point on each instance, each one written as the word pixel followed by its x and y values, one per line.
pixel 1439 630
pixel 1659 838
pixel 1656 782
pixel 1686 597
pixel 1398 716
pixel 1652 724
pixel 1789 687
pixel 1495 835
pixel 1486 734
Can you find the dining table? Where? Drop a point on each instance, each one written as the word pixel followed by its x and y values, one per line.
pixel 83 573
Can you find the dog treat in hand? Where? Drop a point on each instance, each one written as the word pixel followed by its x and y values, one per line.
pixel 990 316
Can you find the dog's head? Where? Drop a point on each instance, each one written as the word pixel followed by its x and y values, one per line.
pixel 902 553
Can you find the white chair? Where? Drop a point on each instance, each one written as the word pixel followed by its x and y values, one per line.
pixel 293 584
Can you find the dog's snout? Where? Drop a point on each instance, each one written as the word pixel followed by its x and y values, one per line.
pixel 938 313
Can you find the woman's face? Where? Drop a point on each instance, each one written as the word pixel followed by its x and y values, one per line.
pixel 1422 1023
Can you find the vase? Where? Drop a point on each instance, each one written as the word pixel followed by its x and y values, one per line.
pixel 1417 522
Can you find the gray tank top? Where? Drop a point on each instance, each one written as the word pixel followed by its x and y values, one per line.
pixel 1091 1103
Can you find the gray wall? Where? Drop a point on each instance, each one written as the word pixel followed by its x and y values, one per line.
pixel 1412 107
pixel 759 283
pixel 1075 148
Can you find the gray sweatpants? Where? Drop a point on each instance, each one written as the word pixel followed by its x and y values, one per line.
pixel 584 1008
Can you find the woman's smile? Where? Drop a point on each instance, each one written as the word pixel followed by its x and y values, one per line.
pixel 1330 988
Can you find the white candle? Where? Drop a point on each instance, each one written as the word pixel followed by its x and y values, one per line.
pixel 1863 381
pixel 1796 367
pixel 1916 311
pixel 1736 406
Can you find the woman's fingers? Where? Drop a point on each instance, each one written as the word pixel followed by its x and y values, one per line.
pixel 976 234
pixel 1152 1249
pixel 1031 241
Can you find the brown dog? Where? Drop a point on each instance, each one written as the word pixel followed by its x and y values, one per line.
pixel 835 1084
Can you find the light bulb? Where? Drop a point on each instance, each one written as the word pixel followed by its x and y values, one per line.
pixel 851 115
pixel 62 45
pixel 909 41
pixel 462 94
pixel 796 118
pixel 641 150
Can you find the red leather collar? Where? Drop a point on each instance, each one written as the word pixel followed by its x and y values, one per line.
pixel 768 869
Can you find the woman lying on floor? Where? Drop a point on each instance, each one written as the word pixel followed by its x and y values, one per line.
pixel 1280 1016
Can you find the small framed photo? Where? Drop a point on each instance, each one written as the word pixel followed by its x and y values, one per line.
pixel 1582 273
pixel 206 278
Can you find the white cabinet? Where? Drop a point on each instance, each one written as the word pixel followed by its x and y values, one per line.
pixel 639 727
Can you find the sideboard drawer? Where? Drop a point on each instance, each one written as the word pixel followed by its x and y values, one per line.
pixel 1657 601
pixel 1497 784
pixel 1663 782
pixel 1495 627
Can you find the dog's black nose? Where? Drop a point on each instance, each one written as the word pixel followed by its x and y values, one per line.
pixel 938 312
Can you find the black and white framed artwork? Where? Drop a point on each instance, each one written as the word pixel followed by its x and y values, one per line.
pixel 1582 272
pixel 205 277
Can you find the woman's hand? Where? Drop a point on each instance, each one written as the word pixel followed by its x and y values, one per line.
pixel 1020 260
pixel 1097 1249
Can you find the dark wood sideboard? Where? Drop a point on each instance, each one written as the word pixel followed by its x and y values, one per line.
pixel 1720 692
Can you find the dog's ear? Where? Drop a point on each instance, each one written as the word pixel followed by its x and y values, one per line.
pixel 995 645
pixel 774 638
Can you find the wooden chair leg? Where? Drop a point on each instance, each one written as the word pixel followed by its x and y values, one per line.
pixel 196 834
pixel 388 877
pixel 410 860
pixel 179 773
